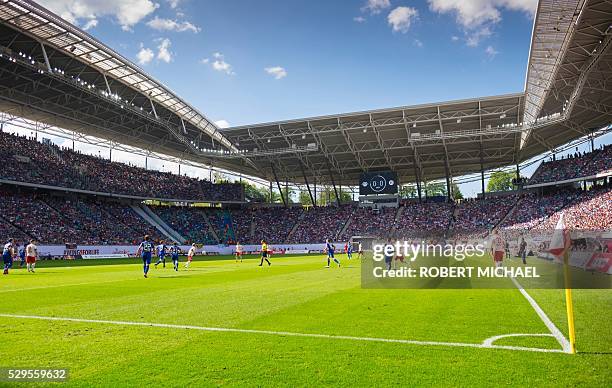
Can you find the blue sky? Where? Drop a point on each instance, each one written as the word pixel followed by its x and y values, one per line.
pixel 242 61
pixel 337 56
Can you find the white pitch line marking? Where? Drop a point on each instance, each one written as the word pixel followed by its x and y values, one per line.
pixel 483 345
pixel 489 341
pixel 549 324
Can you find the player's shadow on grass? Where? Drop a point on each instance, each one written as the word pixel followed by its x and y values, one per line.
pixel 595 353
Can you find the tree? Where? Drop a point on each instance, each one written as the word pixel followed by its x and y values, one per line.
pixel 304 198
pixel 457 194
pixel 219 177
pixel 435 189
pixel 500 181
pixel 345 196
pixel 253 193
pixel 408 191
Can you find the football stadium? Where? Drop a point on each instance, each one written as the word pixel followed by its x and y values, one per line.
pixel 333 250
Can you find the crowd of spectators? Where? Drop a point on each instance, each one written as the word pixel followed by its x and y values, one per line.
pixel 369 222
pixel 273 224
pixel 574 166
pixel 424 219
pixel 477 216
pixel 189 222
pixel 55 220
pixel 600 163
pixel 320 223
pixel 533 209
pixel 27 160
pixel 221 221
pixel 591 210
pixel 242 224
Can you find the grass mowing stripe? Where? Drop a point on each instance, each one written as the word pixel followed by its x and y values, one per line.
pixel 486 344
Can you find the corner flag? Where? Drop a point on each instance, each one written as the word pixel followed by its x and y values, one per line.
pixel 559 246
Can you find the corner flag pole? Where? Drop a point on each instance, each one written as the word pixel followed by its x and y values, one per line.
pixel 568 302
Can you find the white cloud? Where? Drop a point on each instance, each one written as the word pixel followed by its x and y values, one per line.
pixel 401 18
pixel 222 124
pixel 375 6
pixel 474 13
pixel 491 52
pixel 418 43
pixel 219 64
pixel 454 38
pixel 126 12
pixel 359 19
pixel 477 17
pixel 473 37
pixel 145 55
pixel 91 23
pixel 163 50
pixel 161 24
pixel 277 72
pixel 173 3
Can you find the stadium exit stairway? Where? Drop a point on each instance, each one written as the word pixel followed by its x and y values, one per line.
pixel 152 218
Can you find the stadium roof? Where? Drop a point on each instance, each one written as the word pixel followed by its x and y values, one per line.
pixel 60 75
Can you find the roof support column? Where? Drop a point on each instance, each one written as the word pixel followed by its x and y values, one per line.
pixel 280 189
pixel 334 185
pixel 482 171
pixel 108 89
pixel 312 200
pixel 42 46
pixel 154 111
pixel 449 194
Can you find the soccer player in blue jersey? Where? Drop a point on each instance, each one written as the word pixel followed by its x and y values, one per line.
pixel 174 253
pixel 145 249
pixel 161 254
pixel 349 250
pixel 7 255
pixel 22 256
pixel 330 248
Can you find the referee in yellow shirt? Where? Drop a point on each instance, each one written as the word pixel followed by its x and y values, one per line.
pixel 264 253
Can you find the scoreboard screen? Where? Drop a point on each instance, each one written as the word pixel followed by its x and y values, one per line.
pixel 381 182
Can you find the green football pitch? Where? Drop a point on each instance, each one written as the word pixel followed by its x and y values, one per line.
pixel 295 323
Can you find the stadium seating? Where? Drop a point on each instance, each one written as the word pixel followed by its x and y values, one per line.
pixel 532 209
pixel 424 219
pixel 189 222
pixel 27 160
pixel 574 166
pixel 479 216
pixel 274 224
pixel 367 222
pixel 320 223
pixel 54 220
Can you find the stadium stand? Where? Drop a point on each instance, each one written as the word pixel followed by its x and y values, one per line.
pixel 242 224
pixel 588 211
pixel 478 216
pixel 189 222
pixel 424 219
pixel 28 160
pixel 367 222
pixel 533 209
pixel 274 224
pixel 56 220
pixel 320 223
pixel 574 166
